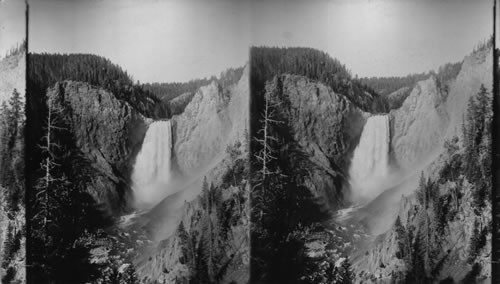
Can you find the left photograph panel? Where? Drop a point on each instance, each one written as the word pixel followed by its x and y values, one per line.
pixel 12 124
pixel 137 128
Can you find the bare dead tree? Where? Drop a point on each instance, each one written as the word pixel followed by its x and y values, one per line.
pixel 44 196
pixel 267 154
pixel 268 119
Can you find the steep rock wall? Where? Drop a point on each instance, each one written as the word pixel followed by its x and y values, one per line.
pixel 395 99
pixel 434 111
pixel 13 73
pixel 107 132
pixel 419 124
pixel 215 118
pixel 326 126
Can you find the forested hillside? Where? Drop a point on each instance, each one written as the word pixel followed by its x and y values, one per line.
pixel 12 161
pixel 169 91
pixel 268 62
pixel 396 89
pixel 386 85
pixel 12 190
pixel 178 94
pixel 47 69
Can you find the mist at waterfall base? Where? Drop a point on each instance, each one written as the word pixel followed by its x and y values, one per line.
pixel 376 185
pixel 152 172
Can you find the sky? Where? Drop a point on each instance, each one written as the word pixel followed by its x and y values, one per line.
pixel 379 38
pixel 155 41
pixel 179 40
pixel 12 24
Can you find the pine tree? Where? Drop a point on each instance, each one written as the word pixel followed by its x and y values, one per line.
pixel 16 108
pixel 129 276
pixel 205 195
pixel 469 140
pixel 346 275
pixel 401 238
pixel 421 191
pixel 187 256
pixel 4 144
pixel 417 272
pixel 201 274
pixel 477 241
pixel 12 150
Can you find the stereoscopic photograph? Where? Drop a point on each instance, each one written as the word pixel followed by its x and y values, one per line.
pixel 371 142
pixel 138 142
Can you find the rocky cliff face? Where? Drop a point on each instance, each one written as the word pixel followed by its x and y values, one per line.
pixel 13 72
pixel 419 124
pixel 215 118
pixel 178 104
pixel 107 132
pixel 326 126
pixel 396 98
pixel 477 69
pixel 434 111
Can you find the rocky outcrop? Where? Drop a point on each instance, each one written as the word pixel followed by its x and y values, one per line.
pixel 380 261
pixel 215 118
pixel 179 103
pixel 419 124
pixel 326 126
pixel 434 111
pixel 13 75
pixel 477 69
pixel 107 132
pixel 395 99
pixel 321 119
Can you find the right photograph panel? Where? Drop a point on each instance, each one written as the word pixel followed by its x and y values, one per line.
pixel 371 142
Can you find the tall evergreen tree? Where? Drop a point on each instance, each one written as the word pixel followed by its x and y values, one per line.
pixel 346 275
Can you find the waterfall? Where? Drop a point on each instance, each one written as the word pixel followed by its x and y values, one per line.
pixel 152 169
pixel 369 169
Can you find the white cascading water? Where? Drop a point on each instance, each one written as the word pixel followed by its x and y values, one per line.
pixel 370 164
pixel 152 170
